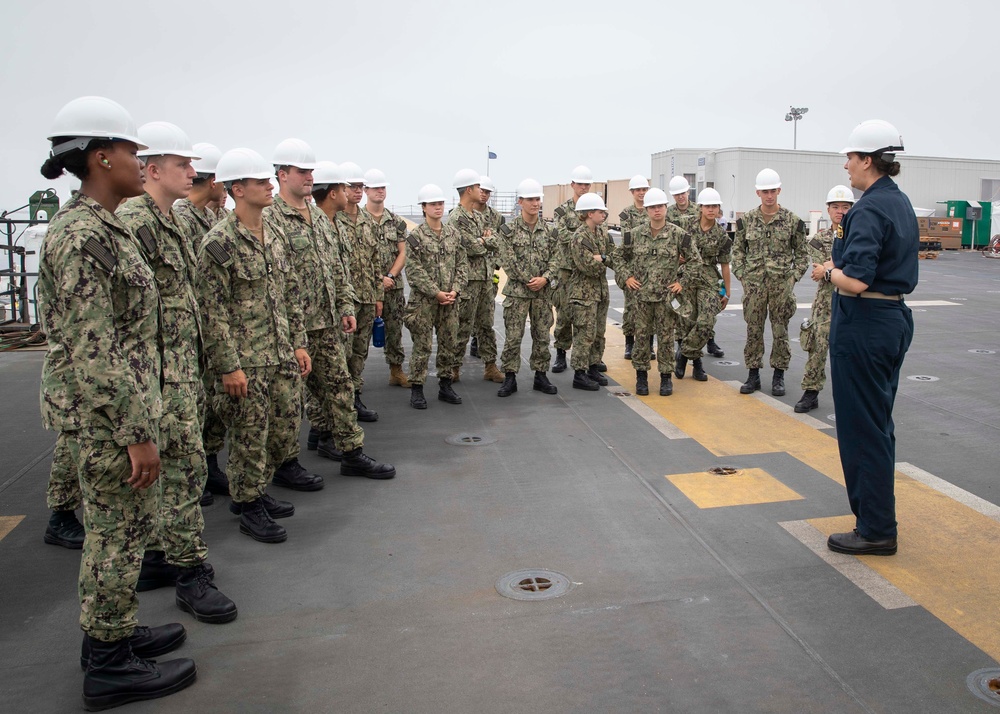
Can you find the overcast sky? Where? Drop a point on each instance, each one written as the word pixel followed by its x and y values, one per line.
pixel 419 89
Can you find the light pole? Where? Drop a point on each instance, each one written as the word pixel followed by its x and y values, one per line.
pixel 794 114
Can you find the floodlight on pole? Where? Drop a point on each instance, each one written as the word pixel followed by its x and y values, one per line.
pixel 793 115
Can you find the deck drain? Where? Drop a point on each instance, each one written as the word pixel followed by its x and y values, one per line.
pixel 467 439
pixel 985 684
pixel 536 584
pixel 621 394
pixel 727 363
pixel 723 470
pixel 983 352
pixel 923 378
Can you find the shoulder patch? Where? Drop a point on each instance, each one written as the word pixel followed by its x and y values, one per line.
pixel 816 243
pixel 686 242
pixel 624 214
pixel 627 238
pixel 739 224
pixel 412 241
pixel 559 212
pixel 505 229
pixel 801 228
pixel 554 233
pixel 146 237
pixel 219 254
pixel 98 252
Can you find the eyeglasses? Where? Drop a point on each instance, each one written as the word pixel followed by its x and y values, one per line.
pixel 356 186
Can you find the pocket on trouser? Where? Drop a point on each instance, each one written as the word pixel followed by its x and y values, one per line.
pixel 180 425
pixel 807 335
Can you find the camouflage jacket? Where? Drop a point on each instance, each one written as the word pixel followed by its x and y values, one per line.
pixel 435 263
pixel 683 218
pixel 526 253
pixel 250 298
pixel 588 281
pixel 631 217
pixel 820 249
pixel 100 310
pixel 776 249
pixel 494 220
pixel 478 248
pixel 195 221
pixel 567 223
pixel 166 248
pixel 655 260
pixel 364 252
pixel 312 250
pixel 390 230
pixel 220 214
pixel 715 247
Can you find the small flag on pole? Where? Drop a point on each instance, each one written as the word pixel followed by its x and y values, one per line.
pixel 491 155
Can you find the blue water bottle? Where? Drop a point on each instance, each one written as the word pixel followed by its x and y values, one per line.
pixel 378 332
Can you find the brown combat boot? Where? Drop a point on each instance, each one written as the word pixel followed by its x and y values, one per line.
pixel 397 378
pixel 492 374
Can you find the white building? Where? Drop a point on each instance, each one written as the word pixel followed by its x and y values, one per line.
pixel 807 176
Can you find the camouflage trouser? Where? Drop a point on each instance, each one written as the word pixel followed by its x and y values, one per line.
pixel 515 311
pixel 183 471
pixel 63 491
pixel 696 319
pixel 263 428
pixel 357 353
pixel 393 308
pixel 476 306
pixel 118 520
pixel 765 297
pixel 590 319
pixel 330 390
pixel 816 340
pixel 563 334
pixel 424 317
pixel 213 430
pixel 628 314
pixel 659 319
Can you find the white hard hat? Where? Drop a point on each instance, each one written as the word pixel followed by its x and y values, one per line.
pixel 529 188
pixel 678 184
pixel 238 164
pixel 486 184
pixel 638 181
pixel 767 179
pixel 873 137
pixel 840 193
pixel 465 178
pixel 374 179
pixel 165 139
pixel 294 152
pixel 655 197
pixel 210 155
pixel 581 174
pixel 591 202
pixel 430 193
pixel 89 118
pixel 351 172
pixel 327 173
pixel 709 197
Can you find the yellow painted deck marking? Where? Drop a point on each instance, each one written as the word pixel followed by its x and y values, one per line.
pixel 8 523
pixel 744 488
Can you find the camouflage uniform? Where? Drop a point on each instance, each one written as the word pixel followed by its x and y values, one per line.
pixel 476 304
pixel 391 231
pixel 567 223
pixel 768 259
pixel 63 490
pixel 249 296
pixel 525 253
pixel 183 469
pixel 101 385
pixel 326 296
pixel 494 220
pixel 365 255
pixel 682 218
pixel 655 261
pixel 816 338
pixel 434 263
pixel 587 293
pixel 628 220
pixel 700 299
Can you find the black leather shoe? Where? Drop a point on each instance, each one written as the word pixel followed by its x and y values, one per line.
pixel 207 498
pixel 560 363
pixel 809 401
pixel 542 384
pixel 293 475
pixel 327 448
pixel 65 530
pixel 752 384
pixel 197 594
pixel 474 347
pixel 417 399
pixel 257 523
pixel 698 370
pixel 275 508
pixel 364 413
pixel 509 385
pixel 115 676
pixel 217 482
pixel 666 384
pixel 314 436
pixel 629 344
pixel 642 383
pixel 601 367
pixel 446 393
pixel 155 572
pixel 145 641
pixel 582 380
pixel 358 463
pixel 714 350
pixel 595 374
pixel 778 383
pixel 680 364
pixel 854 543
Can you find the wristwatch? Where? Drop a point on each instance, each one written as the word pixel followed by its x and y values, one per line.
pixel 390 276
pixel 827 274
